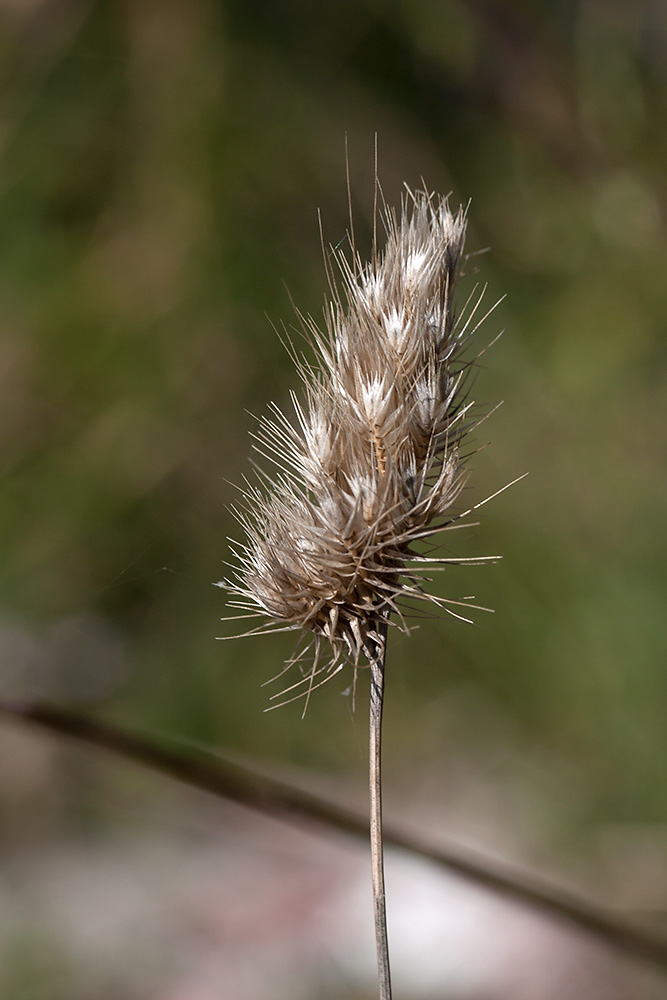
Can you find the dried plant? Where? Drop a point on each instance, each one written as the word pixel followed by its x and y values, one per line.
pixel 370 469
pixel 373 462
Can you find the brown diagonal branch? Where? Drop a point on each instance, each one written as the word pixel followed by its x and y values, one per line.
pixel 278 798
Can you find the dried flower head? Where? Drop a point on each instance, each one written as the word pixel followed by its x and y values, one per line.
pixel 371 464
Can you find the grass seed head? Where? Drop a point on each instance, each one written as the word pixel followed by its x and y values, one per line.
pixel 370 464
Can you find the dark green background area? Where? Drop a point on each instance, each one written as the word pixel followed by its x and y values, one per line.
pixel 162 169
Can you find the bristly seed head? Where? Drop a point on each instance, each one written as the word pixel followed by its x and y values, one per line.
pixel 372 463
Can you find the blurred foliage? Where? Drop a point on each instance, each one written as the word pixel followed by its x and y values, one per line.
pixel 162 165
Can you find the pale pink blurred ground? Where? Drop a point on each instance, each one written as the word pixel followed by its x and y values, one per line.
pixel 167 894
pixel 210 902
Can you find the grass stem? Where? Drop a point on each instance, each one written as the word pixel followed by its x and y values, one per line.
pixel 377 665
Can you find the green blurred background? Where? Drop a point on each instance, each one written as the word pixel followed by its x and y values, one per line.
pixel 162 168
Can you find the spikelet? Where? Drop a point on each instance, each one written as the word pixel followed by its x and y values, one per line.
pixel 371 463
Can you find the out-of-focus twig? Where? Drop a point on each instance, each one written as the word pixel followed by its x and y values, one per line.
pixel 278 798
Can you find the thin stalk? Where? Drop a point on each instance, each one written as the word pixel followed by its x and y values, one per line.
pixel 377 665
